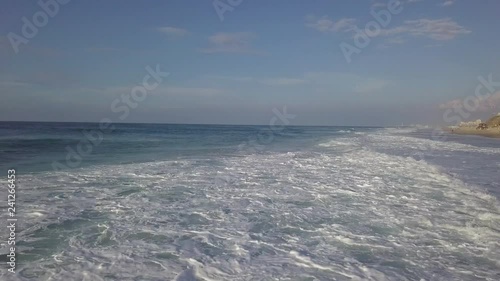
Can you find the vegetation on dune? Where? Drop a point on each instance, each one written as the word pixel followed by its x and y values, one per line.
pixel 494 121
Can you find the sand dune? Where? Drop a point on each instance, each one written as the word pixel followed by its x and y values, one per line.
pixel 491 132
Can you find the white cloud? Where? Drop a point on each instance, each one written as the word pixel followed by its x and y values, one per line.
pixel 173 32
pixel 438 29
pixel 435 29
pixel 448 3
pixel 324 24
pixel 238 42
pixel 283 81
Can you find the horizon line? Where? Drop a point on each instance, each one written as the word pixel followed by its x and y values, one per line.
pixel 198 124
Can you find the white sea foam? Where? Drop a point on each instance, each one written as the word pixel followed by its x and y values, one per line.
pixel 356 215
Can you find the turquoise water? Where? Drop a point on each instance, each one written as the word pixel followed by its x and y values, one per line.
pixel 200 202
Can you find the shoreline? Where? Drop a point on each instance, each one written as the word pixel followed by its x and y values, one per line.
pixel 491 132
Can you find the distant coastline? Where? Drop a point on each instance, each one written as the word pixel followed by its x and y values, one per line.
pixel 492 133
pixel 490 128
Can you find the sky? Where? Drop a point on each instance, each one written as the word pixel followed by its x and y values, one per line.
pixel 240 61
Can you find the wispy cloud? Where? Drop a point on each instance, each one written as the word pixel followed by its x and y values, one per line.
pixel 229 78
pixel 378 5
pixel 14 83
pixel 161 91
pixel 433 45
pixel 7 50
pixel 314 80
pixel 348 81
pixel 238 42
pixel 371 85
pixel 395 40
pixel 191 91
pixel 448 3
pixel 173 32
pixel 283 81
pixel 491 103
pixel 274 81
pixel 47 78
pixel 101 49
pixel 389 42
pixel 384 4
pixel 325 24
pixel 436 29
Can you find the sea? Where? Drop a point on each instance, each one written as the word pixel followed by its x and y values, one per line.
pixel 223 202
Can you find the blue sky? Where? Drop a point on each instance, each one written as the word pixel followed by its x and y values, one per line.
pixel 261 55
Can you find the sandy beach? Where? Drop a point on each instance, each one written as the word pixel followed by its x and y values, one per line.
pixel 491 132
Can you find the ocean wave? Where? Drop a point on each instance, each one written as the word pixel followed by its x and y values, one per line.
pixel 359 215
